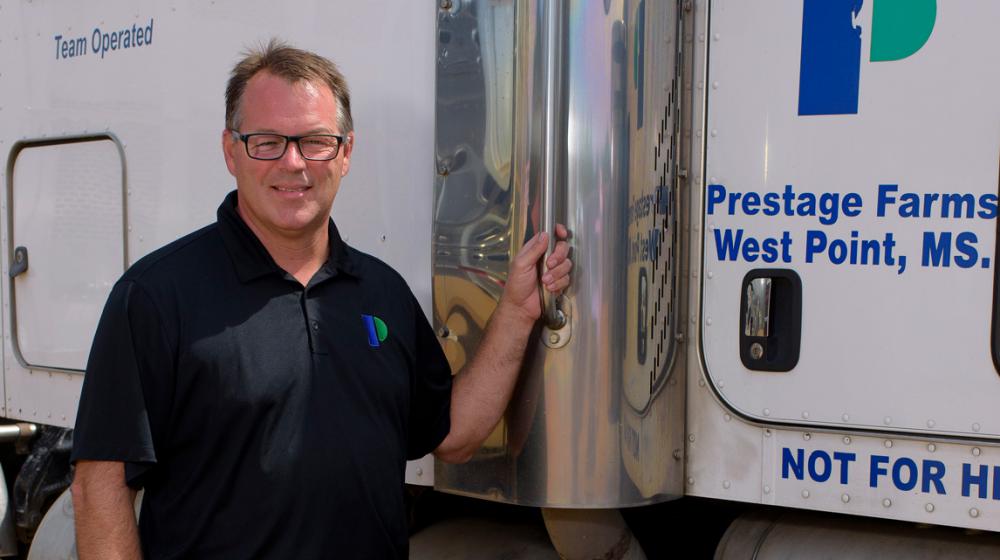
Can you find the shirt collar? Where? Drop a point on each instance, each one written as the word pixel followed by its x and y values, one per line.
pixel 252 260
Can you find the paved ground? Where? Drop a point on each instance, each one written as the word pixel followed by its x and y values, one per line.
pixel 482 539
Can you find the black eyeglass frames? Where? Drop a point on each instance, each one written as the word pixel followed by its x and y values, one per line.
pixel 270 146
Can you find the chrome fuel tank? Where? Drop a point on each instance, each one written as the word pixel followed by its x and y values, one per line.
pixel 566 111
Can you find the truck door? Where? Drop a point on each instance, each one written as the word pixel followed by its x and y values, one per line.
pixel 66 242
pixel 849 214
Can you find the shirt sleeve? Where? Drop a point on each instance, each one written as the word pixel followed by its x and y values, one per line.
pixel 430 403
pixel 126 395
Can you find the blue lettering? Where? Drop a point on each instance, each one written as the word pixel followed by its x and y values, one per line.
pixel 751 203
pixel 965 244
pixel 788 197
pixel 968 480
pixel 716 194
pixel 933 473
pixel 751 248
pixel 771 205
pixel 105 43
pixel 807 204
pixel 910 206
pixel 988 203
pixel 727 244
pixel 817 474
pixel 904 472
pixel 897 474
pixel 819 464
pixel 957 205
pixel 829 208
pixel 770 246
pixel 937 252
pixel 101 42
pixel 854 251
pixel 793 463
pixel 929 199
pixel 877 469
pixel 70 48
pixel 870 250
pixel 838 250
pixel 815 243
pixel 95 41
pixel 730 245
pixel 845 459
pixel 885 198
pixel 852 205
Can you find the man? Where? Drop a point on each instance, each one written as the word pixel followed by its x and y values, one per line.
pixel 264 382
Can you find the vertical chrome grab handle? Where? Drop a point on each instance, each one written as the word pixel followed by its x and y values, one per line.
pixel 553 316
pixel 539 140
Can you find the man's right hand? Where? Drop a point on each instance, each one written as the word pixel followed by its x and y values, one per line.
pixel 104 511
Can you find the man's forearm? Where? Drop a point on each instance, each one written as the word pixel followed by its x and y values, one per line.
pixel 104 512
pixel 483 388
pixel 480 393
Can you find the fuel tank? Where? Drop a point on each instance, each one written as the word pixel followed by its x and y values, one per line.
pixel 566 112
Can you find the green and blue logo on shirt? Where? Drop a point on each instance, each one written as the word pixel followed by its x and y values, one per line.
pixel 377 331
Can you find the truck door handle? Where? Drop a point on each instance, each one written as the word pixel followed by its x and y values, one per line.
pixel 771 320
pixel 757 321
pixel 538 157
pixel 553 315
pixel 19 262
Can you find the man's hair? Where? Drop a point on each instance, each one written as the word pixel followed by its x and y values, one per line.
pixel 294 65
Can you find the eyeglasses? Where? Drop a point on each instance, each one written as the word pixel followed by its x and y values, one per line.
pixel 267 146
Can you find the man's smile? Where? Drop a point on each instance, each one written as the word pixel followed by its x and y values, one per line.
pixel 292 189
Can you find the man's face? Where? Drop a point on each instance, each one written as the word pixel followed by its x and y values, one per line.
pixel 289 197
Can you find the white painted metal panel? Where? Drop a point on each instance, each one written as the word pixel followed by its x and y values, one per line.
pixel 67 212
pixel 883 346
pixel 164 100
pixel 948 484
pixel 888 477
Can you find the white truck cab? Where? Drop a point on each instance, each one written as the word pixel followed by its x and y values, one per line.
pixel 784 230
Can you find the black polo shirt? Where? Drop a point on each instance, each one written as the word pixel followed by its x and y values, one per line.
pixel 263 418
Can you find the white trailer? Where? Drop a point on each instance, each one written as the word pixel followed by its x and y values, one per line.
pixel 784 218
